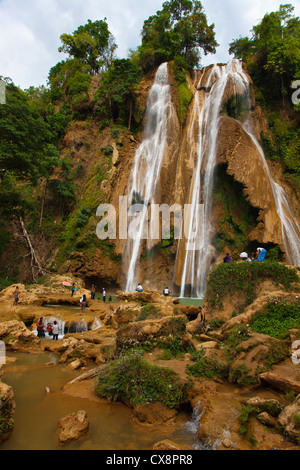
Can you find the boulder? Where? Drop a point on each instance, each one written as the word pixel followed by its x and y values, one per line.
pixel 153 413
pixel 271 406
pixel 17 337
pixel 7 409
pixel 267 420
pixel 166 444
pixel 72 427
pixel 289 418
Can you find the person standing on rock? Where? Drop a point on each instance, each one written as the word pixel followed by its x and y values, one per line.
pixel 16 295
pixel 167 292
pixel 93 292
pixel 104 294
pixel 73 289
pixel 83 302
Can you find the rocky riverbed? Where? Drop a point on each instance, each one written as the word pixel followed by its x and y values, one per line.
pixel 243 386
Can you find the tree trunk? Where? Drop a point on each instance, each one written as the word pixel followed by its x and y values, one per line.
pixel 130 114
pixel 43 201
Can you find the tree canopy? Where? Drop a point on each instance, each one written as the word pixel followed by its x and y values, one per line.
pixel 91 43
pixel 117 91
pixel 273 51
pixel 177 32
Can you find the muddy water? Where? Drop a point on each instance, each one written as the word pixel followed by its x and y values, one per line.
pixel 111 425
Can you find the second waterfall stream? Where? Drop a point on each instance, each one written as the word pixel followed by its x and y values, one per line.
pixel 195 251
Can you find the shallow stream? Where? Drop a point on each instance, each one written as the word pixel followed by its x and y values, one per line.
pixel 111 424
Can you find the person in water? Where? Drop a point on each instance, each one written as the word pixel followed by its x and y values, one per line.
pixel 55 330
pixel 50 329
pixel 40 328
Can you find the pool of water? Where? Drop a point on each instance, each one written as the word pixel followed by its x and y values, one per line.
pixel 111 424
pixel 190 301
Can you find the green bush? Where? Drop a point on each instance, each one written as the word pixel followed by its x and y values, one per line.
pixel 277 318
pixel 149 311
pixel 208 368
pixel 131 379
pixel 244 278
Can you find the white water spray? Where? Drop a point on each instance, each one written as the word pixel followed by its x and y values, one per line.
pixel 197 262
pixel 147 164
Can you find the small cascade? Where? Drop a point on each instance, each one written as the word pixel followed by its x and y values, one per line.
pixel 96 324
pixel 76 327
pixel 147 165
pixel 51 320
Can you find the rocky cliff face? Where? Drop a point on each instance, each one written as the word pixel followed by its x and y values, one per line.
pixel 243 214
pixel 161 262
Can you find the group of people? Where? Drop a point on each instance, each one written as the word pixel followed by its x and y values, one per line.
pixel 83 300
pixel 166 290
pixel 258 255
pixel 52 330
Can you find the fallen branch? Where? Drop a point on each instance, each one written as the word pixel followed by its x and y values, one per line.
pixel 36 267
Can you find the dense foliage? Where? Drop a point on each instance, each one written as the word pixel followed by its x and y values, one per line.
pixel 27 148
pixel 177 32
pixel 116 95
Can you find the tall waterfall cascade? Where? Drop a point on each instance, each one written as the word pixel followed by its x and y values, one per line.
pixel 195 249
pixel 197 263
pixel 147 164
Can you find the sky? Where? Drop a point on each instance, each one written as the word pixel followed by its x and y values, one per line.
pixel 30 30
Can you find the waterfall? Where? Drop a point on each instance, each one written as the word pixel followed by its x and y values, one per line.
pixel 60 323
pixel 147 165
pixel 198 259
pixel 197 262
pixel 289 225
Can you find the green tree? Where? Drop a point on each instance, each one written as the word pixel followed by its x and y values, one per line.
pixel 273 51
pixel 92 44
pixel 117 90
pixel 179 30
pixel 27 148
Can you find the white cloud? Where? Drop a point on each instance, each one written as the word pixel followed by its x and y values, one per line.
pixel 30 30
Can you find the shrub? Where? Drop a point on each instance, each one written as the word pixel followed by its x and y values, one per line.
pixel 244 278
pixel 277 318
pixel 131 379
